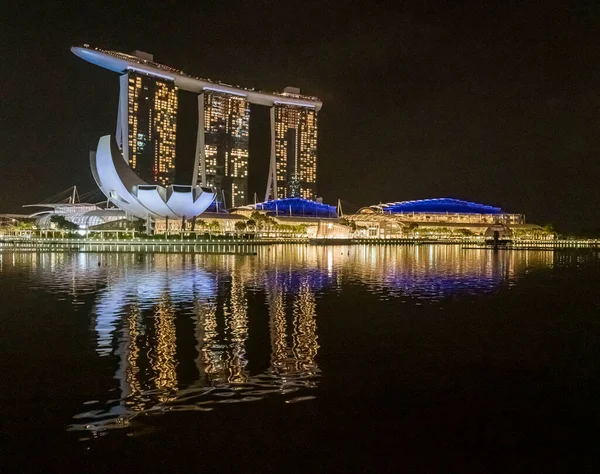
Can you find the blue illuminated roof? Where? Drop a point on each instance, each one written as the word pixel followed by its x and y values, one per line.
pixel 297 207
pixel 216 206
pixel 438 205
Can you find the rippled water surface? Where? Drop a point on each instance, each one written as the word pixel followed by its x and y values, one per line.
pixel 302 357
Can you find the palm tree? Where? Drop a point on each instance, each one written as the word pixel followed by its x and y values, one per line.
pixel 63 224
pixel 240 227
pixel 214 226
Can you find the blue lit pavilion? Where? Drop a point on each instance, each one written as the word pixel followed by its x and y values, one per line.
pixel 437 205
pixel 445 215
pixel 296 207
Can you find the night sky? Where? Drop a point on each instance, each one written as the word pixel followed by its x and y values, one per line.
pixel 494 102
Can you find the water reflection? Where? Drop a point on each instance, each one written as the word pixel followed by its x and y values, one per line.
pixel 136 320
pixel 293 355
pixel 193 332
pixel 434 272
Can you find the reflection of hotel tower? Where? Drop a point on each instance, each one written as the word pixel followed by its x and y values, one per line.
pixel 293 350
pixel 150 346
pixel 148 355
pixel 147 125
pixel 222 335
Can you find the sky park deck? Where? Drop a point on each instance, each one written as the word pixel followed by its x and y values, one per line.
pixel 122 63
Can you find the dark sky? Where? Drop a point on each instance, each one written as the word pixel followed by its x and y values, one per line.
pixel 494 102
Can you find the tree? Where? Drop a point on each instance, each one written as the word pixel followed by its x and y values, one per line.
pixel 214 226
pixel 412 227
pixel 24 225
pixel 257 216
pixel 348 223
pixel 63 224
pixel 139 225
pixel 240 226
pixel 263 221
pixel 200 224
pixel 549 229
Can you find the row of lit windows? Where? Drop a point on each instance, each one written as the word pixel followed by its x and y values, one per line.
pixel 238 193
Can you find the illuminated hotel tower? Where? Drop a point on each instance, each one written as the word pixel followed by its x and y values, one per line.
pixel 222 146
pixel 293 171
pixel 147 126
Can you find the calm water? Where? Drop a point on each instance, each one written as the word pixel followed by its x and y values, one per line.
pixel 302 358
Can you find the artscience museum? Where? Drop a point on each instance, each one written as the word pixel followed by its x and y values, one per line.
pixel 126 190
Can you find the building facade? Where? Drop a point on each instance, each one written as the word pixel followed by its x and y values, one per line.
pixel 226 119
pixel 435 217
pixel 147 126
pixel 295 136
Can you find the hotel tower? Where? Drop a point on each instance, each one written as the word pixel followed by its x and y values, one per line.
pixel 295 136
pixel 147 124
pixel 222 145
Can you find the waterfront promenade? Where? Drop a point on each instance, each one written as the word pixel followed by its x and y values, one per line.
pixel 237 245
pixel 219 246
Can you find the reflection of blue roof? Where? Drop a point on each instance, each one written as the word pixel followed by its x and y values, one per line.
pixel 297 207
pixel 441 205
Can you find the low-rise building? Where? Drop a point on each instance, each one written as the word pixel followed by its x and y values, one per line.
pixel 443 217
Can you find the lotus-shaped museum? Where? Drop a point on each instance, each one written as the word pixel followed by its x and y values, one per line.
pixel 123 187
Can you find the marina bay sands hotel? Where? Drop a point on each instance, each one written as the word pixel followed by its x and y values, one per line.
pixel 146 129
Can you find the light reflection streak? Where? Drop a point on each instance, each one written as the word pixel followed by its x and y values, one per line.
pixel 132 389
pixel 237 327
pixel 163 355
